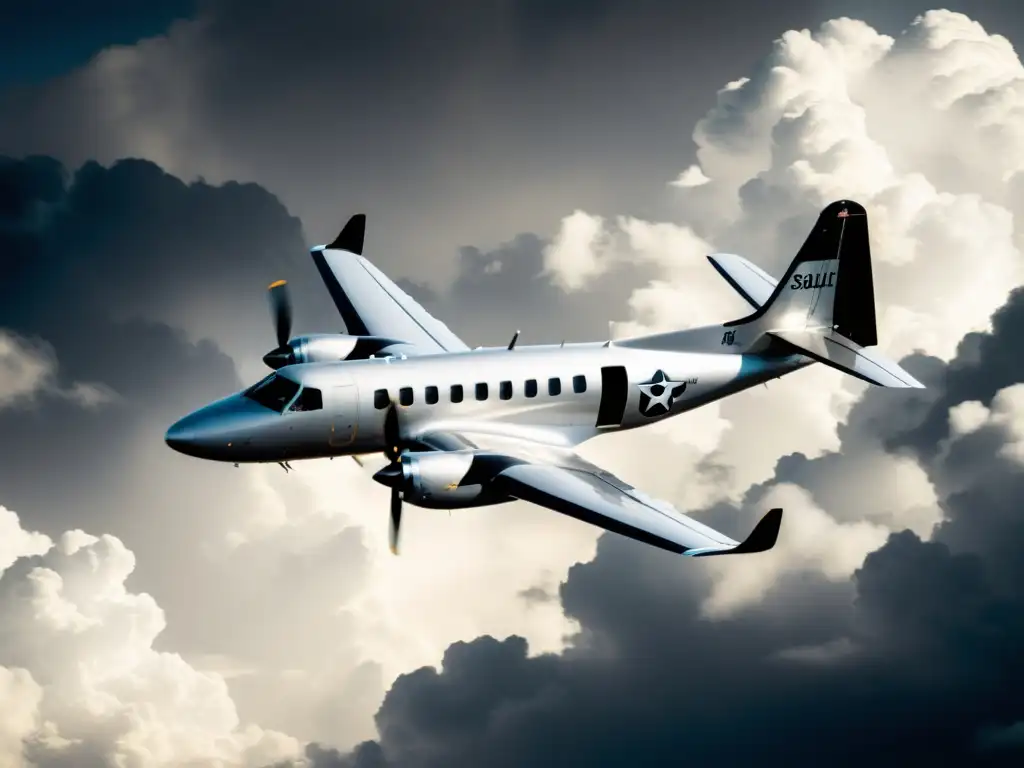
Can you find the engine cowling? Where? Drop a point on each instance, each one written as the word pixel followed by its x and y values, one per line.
pixel 431 480
pixel 332 347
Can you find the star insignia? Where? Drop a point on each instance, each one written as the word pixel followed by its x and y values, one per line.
pixel 658 394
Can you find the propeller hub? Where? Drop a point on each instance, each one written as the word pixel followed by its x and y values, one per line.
pixel 391 475
pixel 279 357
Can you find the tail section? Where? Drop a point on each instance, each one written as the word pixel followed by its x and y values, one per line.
pixel 824 306
pixel 828 286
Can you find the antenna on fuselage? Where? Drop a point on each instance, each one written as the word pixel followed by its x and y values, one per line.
pixel 512 344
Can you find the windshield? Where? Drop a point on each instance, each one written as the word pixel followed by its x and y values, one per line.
pixel 274 392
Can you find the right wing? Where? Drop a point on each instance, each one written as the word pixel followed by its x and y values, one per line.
pixel 560 480
pixel 370 303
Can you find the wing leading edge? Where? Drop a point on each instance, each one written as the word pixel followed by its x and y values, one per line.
pixel 370 303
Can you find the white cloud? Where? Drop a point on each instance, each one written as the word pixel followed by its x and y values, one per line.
pixel 29 368
pixel 810 539
pixel 19 715
pixel 816 121
pixel 1006 415
pixel 842 112
pixel 572 259
pixel 81 678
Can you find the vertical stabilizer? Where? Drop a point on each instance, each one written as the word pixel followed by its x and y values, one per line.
pixel 828 286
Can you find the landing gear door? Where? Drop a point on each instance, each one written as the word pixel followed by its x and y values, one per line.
pixel 344 412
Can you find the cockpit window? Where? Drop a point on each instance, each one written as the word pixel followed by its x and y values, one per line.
pixel 309 399
pixel 274 392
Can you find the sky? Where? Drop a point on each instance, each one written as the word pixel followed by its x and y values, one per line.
pixel 562 169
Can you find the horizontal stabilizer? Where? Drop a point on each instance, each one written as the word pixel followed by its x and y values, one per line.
pixel 747 279
pixel 839 352
pixel 761 539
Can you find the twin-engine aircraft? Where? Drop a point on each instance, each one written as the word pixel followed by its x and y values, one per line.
pixel 468 427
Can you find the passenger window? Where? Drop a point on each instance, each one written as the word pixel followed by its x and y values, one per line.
pixel 381 399
pixel 456 393
pixel 579 384
pixel 431 395
pixel 530 390
pixel 405 396
pixel 309 399
pixel 505 390
pixel 481 391
pixel 554 386
pixel 274 392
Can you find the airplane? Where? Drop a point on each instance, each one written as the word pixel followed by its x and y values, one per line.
pixel 465 427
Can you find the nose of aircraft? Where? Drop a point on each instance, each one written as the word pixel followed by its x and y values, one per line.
pixel 180 436
pixel 209 432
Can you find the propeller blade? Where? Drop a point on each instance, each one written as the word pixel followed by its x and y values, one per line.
pixel 281 309
pixel 396 520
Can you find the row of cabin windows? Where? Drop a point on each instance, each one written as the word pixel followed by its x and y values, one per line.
pixel 456 393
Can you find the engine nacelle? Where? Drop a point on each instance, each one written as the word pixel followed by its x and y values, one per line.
pixel 432 480
pixel 332 347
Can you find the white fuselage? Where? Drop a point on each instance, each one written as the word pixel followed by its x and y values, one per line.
pixel 555 394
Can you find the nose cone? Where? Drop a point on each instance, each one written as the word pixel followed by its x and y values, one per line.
pixel 390 476
pixel 279 358
pixel 180 436
pixel 220 431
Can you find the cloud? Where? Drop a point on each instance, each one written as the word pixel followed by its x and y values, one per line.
pixel 28 369
pixel 811 124
pixel 912 653
pixel 474 123
pixel 281 585
pixel 571 259
pixel 883 628
pixel 284 582
pixel 84 680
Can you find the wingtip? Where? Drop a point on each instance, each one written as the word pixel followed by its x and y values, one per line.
pixel 351 236
pixel 764 535
pixel 761 539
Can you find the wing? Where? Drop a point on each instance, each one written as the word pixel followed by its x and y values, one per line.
pixel 561 480
pixel 371 304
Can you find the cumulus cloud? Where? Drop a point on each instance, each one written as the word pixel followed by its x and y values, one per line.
pixel 811 540
pixel 81 678
pixel 28 369
pixel 910 657
pixel 281 585
pixel 817 121
pixel 1006 415
pixel 289 582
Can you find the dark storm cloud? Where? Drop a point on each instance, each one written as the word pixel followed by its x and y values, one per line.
pixel 499 291
pixel 913 661
pixel 45 38
pixel 448 123
pixel 91 260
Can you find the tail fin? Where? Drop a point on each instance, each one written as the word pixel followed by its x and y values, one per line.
pixel 829 284
pixel 824 306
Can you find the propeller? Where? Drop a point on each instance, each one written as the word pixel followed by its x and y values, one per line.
pixel 281 312
pixel 392 475
pixel 396 519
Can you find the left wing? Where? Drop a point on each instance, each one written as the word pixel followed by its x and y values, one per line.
pixel 370 303
pixel 561 480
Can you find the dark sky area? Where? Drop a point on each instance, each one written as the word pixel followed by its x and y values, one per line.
pixel 466 131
